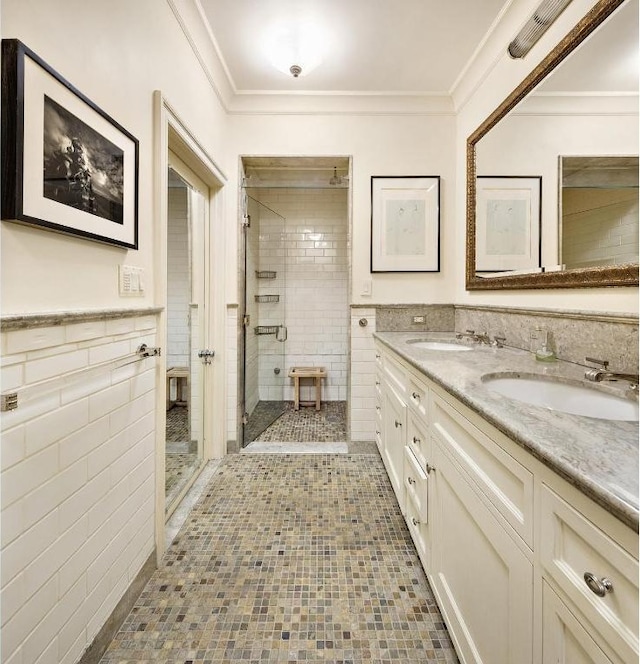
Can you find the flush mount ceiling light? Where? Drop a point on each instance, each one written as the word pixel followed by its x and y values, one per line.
pixel 295 48
pixel 536 26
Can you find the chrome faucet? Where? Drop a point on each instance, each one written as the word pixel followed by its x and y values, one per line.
pixel 470 334
pixel 598 375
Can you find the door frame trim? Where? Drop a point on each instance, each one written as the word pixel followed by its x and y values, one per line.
pixel 171 133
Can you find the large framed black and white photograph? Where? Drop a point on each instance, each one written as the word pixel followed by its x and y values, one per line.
pixel 68 166
pixel 405 223
pixel 508 219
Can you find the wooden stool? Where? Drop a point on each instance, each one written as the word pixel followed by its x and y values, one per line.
pixel 317 373
pixel 181 374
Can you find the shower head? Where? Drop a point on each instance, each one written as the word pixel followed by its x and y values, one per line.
pixel 335 180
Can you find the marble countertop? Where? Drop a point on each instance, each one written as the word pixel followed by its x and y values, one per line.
pixel 599 457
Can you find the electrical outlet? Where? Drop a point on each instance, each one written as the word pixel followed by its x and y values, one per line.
pixel 418 319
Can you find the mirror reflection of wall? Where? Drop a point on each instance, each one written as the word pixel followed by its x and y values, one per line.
pixel 587 106
pixel 599 211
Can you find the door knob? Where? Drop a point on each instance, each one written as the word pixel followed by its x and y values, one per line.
pixel 205 355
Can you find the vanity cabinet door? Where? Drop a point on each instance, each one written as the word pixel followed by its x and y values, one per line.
pixel 564 639
pixel 394 415
pixel 571 546
pixel 481 577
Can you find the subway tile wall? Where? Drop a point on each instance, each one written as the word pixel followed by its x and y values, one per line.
pixel 78 483
pixel 363 369
pixel 308 250
pixel 599 227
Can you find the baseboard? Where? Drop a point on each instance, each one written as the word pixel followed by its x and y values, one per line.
pixel 93 654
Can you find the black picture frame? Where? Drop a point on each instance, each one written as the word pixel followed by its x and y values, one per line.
pixel 67 166
pixel 405 223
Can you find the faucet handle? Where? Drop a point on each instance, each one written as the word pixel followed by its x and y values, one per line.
pixel 602 363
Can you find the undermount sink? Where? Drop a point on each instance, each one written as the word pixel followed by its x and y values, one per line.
pixel 428 344
pixel 554 394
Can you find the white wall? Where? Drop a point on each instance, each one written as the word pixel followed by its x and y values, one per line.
pixel 488 81
pixel 380 144
pixel 79 483
pixel 117 56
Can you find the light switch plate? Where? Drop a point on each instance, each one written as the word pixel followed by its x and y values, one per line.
pixel 130 281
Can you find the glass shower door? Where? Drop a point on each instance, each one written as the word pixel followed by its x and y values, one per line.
pixel 265 331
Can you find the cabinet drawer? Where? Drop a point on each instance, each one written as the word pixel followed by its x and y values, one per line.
pixel 571 546
pixel 418 439
pixel 415 484
pixel 506 483
pixel 418 396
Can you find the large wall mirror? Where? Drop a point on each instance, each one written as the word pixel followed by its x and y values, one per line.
pixel 552 174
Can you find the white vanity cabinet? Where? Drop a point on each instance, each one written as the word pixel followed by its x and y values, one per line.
pixel 482 569
pixel 391 419
pixel 504 540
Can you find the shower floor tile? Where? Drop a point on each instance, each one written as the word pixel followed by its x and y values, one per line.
pixel 288 558
pixel 307 425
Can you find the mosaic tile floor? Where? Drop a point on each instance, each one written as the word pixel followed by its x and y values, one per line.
pixel 177 424
pixel 328 425
pixel 288 558
pixel 178 469
pixel 263 415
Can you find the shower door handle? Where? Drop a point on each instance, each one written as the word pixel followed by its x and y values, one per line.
pixel 281 334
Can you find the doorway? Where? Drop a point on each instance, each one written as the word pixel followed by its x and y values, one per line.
pixel 186 312
pixel 295 293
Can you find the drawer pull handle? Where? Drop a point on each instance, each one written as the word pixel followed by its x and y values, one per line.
pixel 377 356
pixel 415 521
pixel 598 586
pixel 377 407
pixel 398 424
pixel 415 441
pixel 416 396
pixel 377 383
pixel 411 480
pixel 428 467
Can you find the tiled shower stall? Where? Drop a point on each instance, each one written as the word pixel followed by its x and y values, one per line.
pixel 298 240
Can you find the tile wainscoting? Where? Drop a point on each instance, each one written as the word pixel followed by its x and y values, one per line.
pixel 78 476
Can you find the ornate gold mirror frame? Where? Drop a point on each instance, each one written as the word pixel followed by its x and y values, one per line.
pixel 621 275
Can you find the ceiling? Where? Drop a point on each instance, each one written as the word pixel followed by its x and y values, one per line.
pixel 366 46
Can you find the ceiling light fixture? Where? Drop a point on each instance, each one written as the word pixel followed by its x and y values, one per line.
pixel 541 20
pixel 295 48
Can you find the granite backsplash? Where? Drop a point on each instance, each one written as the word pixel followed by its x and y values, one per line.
pixel 572 335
